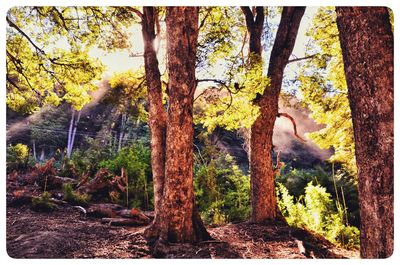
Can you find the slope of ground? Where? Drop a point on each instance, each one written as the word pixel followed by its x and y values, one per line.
pixel 67 233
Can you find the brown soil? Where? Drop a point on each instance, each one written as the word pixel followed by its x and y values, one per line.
pixel 66 233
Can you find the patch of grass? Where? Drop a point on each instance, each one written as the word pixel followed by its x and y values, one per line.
pixel 42 203
pixel 73 197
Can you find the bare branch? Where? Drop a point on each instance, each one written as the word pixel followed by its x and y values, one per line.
pixel 301 58
pixel 294 125
pixel 61 17
pixel 205 18
pixel 221 82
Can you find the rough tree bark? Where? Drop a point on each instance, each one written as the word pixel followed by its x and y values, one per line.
pixel 263 198
pixel 179 219
pixel 366 39
pixel 157 114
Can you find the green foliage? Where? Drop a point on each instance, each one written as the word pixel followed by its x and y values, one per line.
pixel 222 191
pixel 315 211
pixel 227 102
pixel 86 160
pixel 129 93
pixel 136 161
pixel 48 52
pixel 220 29
pixel 324 90
pixel 296 181
pixel 17 157
pixel 73 197
pixel 42 203
pixel 48 128
pixel 230 106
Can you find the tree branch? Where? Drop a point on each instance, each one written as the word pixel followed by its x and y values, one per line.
pixel 25 35
pixel 301 58
pixel 137 12
pixel 294 125
pixel 249 16
pixel 205 18
pixel 221 83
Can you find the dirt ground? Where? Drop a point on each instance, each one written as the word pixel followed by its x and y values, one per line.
pixel 67 233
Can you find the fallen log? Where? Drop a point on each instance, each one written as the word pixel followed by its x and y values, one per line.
pixel 134 214
pixel 103 210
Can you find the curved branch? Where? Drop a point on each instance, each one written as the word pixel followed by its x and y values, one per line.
pixel 294 124
pixel 11 24
pixel 221 83
pixel 134 10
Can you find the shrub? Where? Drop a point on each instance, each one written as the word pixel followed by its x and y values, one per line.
pixel 222 191
pixel 136 161
pixel 73 197
pixel 315 211
pixel 296 181
pixel 17 157
pixel 42 203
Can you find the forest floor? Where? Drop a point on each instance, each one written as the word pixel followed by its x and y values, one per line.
pixel 67 233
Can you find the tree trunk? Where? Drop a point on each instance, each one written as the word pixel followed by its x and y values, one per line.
pixel 179 219
pixel 254 24
pixel 366 39
pixel 71 126
pixel 34 150
pixel 122 130
pixel 157 114
pixel 71 146
pixel 263 198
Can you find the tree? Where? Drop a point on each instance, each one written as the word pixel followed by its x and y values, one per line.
pixel 180 221
pixel 157 114
pixel 366 39
pixel 263 199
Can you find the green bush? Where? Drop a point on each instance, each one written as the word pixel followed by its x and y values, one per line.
pixel 136 161
pixel 73 197
pixel 315 211
pixel 296 181
pixel 222 191
pixel 17 157
pixel 42 203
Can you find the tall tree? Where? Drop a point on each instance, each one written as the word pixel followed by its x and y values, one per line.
pixel 366 39
pixel 263 199
pixel 179 219
pixel 157 114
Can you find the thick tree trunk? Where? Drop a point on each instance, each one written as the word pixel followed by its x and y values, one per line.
pixel 179 219
pixel 366 39
pixel 263 198
pixel 157 113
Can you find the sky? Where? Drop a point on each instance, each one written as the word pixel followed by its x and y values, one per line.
pixel 120 61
